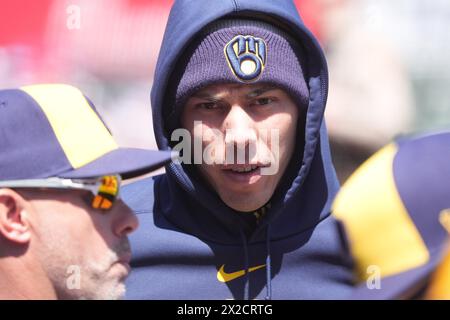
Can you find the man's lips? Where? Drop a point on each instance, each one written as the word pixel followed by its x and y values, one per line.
pixel 243 175
pixel 243 168
pixel 124 260
pixel 125 257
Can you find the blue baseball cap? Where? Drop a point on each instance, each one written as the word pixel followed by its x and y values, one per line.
pixel 395 213
pixel 53 130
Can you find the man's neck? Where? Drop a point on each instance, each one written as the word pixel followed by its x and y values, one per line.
pixel 18 281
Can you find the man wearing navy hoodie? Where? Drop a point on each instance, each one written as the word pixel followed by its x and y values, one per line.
pixel 239 77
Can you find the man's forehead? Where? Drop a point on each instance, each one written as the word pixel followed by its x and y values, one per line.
pixel 234 88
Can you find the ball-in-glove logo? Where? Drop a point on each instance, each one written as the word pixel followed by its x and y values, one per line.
pixel 246 56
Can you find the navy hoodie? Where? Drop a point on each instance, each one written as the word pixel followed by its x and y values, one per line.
pixel 190 245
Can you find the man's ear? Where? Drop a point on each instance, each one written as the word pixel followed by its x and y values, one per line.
pixel 14 223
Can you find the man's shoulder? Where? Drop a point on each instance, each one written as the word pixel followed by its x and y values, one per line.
pixel 326 234
pixel 140 195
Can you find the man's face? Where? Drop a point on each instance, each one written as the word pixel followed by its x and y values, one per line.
pixel 84 251
pixel 249 118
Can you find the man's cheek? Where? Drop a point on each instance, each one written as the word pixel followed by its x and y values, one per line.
pixel 213 146
pixel 269 151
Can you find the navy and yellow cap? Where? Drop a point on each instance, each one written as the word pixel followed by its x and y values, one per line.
pixel 54 131
pixel 395 210
pixel 439 284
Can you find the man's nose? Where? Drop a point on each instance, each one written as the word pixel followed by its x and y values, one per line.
pixel 126 221
pixel 240 136
pixel 239 127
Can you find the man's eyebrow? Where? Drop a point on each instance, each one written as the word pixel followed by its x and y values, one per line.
pixel 207 96
pixel 259 91
pixel 252 94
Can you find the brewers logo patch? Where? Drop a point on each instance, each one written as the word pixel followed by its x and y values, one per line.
pixel 246 57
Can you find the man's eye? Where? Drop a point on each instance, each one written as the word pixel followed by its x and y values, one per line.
pixel 207 105
pixel 263 101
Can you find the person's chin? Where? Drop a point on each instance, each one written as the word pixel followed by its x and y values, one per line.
pixel 233 189
pixel 244 201
pixel 120 292
pixel 113 291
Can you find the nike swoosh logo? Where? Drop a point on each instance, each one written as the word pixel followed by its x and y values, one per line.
pixel 223 276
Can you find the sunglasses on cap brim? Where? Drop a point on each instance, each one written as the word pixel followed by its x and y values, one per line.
pixel 105 190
